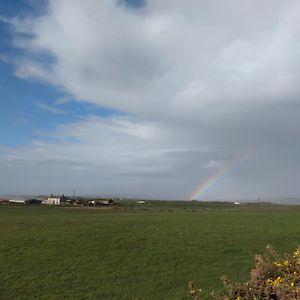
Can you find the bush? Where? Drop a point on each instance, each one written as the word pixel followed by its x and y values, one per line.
pixel 274 277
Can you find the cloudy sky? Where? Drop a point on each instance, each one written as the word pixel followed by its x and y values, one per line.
pixel 156 99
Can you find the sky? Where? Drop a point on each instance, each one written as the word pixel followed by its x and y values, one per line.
pixel 154 99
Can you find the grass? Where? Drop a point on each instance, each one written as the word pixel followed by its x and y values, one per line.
pixel 133 253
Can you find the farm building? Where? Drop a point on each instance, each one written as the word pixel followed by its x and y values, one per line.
pixel 4 201
pixel 33 201
pixel 56 200
pixel 24 201
pixel 17 201
pixel 107 201
pixel 80 202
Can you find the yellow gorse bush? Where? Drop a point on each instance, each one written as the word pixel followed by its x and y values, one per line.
pixel 273 277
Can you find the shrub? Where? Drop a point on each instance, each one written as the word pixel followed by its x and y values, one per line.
pixel 194 292
pixel 274 277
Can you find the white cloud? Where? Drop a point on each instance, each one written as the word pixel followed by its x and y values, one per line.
pixel 115 155
pixel 203 83
pixel 51 109
pixel 62 100
pixel 215 164
pixel 140 60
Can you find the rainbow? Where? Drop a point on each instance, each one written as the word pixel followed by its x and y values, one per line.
pixel 213 178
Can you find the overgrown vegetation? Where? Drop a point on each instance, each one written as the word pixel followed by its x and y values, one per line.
pixel 274 277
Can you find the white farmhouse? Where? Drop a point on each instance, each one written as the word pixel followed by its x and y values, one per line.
pixel 55 200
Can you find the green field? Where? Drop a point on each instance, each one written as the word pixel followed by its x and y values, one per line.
pixel 129 252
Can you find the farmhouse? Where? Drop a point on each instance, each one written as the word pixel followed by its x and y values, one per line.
pixel 56 200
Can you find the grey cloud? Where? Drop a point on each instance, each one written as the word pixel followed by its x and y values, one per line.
pixel 204 83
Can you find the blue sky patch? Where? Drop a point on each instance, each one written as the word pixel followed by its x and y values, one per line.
pixel 29 107
pixel 134 3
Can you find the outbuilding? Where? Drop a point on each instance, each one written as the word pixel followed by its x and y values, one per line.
pixel 17 201
pixel 108 201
